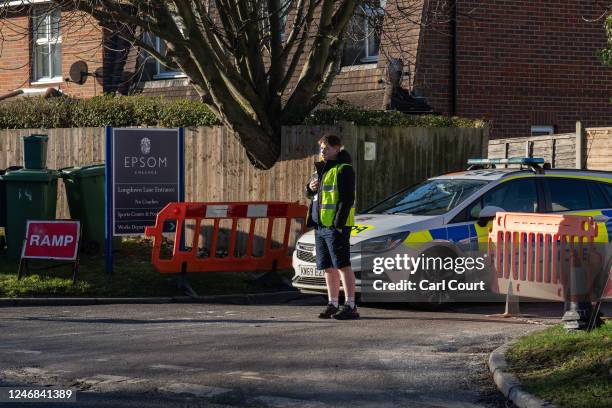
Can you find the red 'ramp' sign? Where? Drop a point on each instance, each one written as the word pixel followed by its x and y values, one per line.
pixel 51 240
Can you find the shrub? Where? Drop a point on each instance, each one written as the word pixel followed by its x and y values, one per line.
pixel 343 111
pixel 67 112
pixel 123 111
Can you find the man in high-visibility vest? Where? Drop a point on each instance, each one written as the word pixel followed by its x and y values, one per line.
pixel 332 214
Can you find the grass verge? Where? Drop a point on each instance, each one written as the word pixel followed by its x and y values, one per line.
pixel 133 276
pixel 571 370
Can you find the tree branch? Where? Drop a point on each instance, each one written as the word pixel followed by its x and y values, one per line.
pixel 331 27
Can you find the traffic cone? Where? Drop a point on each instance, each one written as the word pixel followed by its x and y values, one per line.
pixel 512 303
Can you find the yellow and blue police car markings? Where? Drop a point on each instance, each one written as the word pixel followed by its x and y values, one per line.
pixel 454 233
pixel 358 228
pixel 439 233
pixel 458 234
pixel 418 238
pixel 608 224
pixel 604 230
pixel 461 232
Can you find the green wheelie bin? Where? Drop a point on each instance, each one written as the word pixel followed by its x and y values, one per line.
pixel 30 195
pixel 85 193
pixel 3 206
pixel 35 151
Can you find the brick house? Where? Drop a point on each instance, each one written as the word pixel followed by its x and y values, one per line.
pixel 38 50
pixel 528 67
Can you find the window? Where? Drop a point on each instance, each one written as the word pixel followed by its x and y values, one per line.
pixel 265 15
pixel 153 68
pixel 568 194
pixel 598 198
pixel 47 47
pixel 362 43
pixel 514 196
pixel 607 188
pixel 542 130
pixel 432 197
pixel 163 70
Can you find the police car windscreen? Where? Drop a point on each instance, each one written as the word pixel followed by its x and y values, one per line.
pixel 432 197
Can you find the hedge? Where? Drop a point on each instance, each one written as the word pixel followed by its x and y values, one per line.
pixel 120 111
pixel 343 111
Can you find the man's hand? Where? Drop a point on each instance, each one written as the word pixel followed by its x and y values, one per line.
pixel 314 186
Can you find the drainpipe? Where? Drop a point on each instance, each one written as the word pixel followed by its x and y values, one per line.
pixel 453 61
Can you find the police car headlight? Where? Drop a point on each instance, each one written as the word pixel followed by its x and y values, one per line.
pixel 379 244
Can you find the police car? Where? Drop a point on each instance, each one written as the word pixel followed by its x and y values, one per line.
pixel 453 212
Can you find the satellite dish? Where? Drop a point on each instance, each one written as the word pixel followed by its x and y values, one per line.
pixel 99 75
pixel 78 72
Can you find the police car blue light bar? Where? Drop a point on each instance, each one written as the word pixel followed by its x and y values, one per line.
pixel 511 160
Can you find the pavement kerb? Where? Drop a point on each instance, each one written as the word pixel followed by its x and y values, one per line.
pixel 247 298
pixel 509 385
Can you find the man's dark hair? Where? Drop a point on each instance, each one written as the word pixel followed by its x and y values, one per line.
pixel 330 140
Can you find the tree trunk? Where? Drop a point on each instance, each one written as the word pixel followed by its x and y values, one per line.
pixel 262 148
pixel 262 145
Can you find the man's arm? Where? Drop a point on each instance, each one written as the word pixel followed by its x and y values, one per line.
pixel 346 195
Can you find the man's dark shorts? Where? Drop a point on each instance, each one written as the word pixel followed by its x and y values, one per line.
pixel 333 247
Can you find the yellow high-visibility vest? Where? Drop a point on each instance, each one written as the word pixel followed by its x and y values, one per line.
pixel 330 197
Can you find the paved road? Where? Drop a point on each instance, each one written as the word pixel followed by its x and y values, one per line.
pixel 179 355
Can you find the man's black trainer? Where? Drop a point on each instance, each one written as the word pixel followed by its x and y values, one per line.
pixel 329 311
pixel 347 313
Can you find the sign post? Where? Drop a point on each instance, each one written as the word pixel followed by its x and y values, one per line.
pixel 108 191
pixel 144 172
pixel 56 240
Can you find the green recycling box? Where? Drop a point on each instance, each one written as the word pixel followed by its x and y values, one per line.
pixel 85 193
pixel 30 195
pixel 35 151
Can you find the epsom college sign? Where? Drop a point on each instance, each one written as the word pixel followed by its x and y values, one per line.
pixel 146 169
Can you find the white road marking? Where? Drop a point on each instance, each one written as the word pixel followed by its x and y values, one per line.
pixel 250 375
pixel 26 351
pixel 195 389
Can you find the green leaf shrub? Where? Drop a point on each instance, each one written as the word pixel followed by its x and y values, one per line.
pixel 117 111
pixel 344 111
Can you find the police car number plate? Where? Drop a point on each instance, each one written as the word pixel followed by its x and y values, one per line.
pixel 311 271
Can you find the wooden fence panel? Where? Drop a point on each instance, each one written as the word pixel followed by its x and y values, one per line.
pixel 560 150
pixel 217 168
pixel 598 148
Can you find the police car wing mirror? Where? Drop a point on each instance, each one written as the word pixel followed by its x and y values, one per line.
pixel 488 213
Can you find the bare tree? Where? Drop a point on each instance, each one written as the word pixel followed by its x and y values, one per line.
pixel 239 56
pixel 258 64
